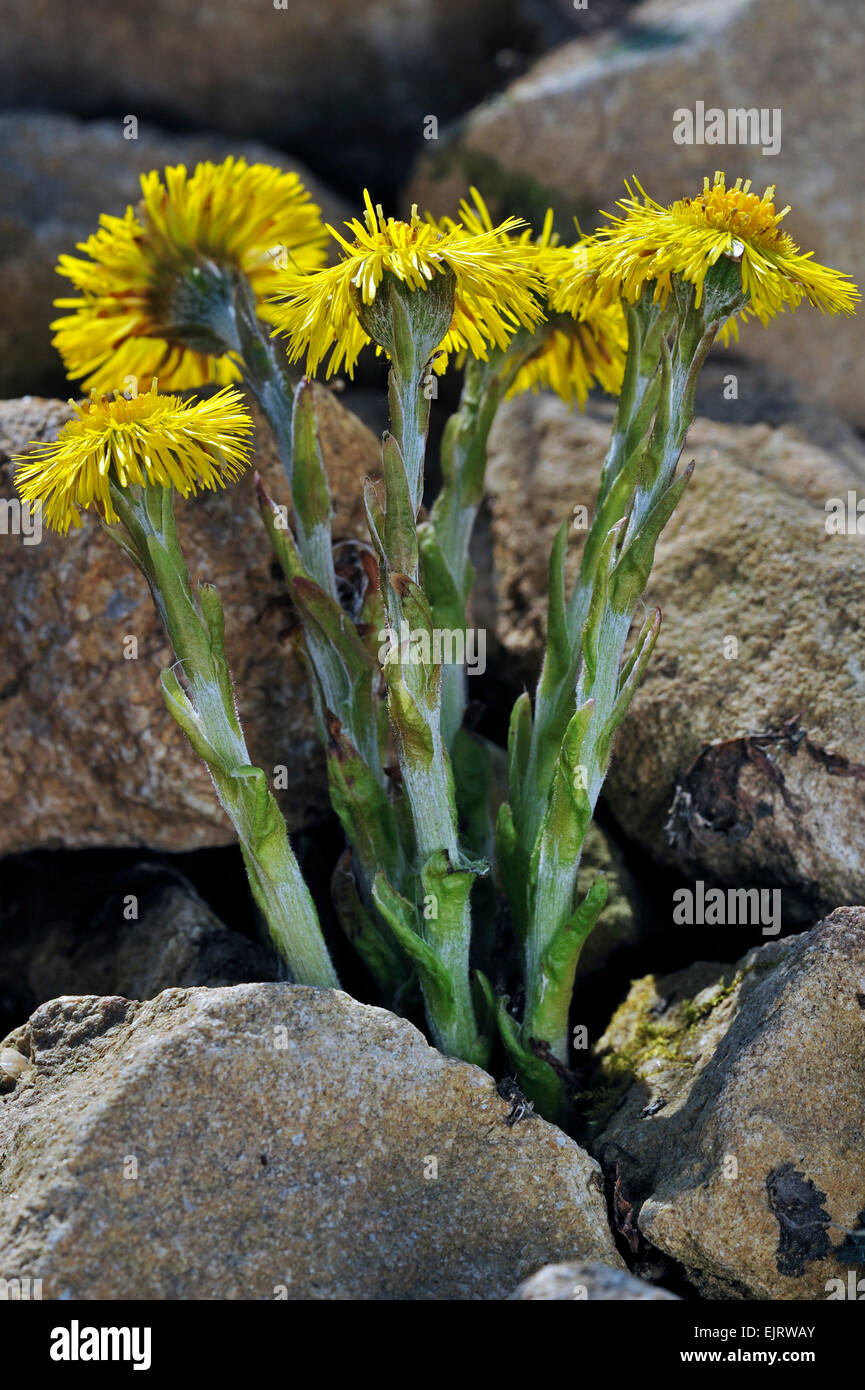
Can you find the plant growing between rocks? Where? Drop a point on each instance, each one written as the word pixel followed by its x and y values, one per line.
pixel 453 878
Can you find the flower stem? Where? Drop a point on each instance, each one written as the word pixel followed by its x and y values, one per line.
pixel 558 766
pixel 445 540
pixel 344 677
pixel 434 929
pixel 205 708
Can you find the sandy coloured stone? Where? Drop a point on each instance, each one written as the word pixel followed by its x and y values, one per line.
pixel 270 1141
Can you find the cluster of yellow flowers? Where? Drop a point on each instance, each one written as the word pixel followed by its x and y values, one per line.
pixel 254 221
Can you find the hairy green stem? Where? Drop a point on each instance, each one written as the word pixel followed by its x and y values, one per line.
pixel 445 541
pixel 205 708
pixel 559 765
pixel 555 692
pixel 435 929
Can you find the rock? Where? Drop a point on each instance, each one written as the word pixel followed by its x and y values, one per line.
pixel 747 768
pixel 589 1280
pixel 593 113
pixel 740 1122
pixel 93 946
pixel 342 85
pixel 90 755
pixel 57 175
pixel 271 1141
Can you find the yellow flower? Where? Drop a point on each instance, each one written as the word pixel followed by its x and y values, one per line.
pixel 572 353
pixel 651 243
pixel 129 320
pixel 158 439
pixel 495 285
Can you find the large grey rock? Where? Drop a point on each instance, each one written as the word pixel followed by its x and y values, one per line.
pixel 740 762
pixel 274 1141
pixel 577 1283
pixel 595 112
pixel 57 176
pixel 738 1124
pixel 89 755
pixel 341 84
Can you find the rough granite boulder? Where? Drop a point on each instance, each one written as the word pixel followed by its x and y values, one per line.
pixel 269 1142
pixel 743 754
pixel 88 753
pixel 57 175
pixel 737 1126
pixel 595 112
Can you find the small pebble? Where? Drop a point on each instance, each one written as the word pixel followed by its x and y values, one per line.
pixel 12 1064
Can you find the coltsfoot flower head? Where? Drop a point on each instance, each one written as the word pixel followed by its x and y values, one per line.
pixel 495 286
pixel 576 355
pixel 571 353
pixel 146 274
pixel 651 243
pixel 188 445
